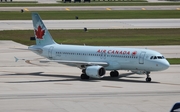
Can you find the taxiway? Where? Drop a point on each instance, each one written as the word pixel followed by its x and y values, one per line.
pixel 73 8
pixel 55 87
pixel 93 24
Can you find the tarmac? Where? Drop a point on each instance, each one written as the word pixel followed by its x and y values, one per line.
pixel 55 1
pixel 93 24
pixel 80 8
pixel 54 87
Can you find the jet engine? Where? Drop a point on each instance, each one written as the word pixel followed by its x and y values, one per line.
pixel 95 71
pixel 138 72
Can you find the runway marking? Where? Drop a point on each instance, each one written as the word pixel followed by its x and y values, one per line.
pixel 143 9
pixel 67 9
pixel 177 8
pixel 26 9
pixel 112 86
pixel 108 8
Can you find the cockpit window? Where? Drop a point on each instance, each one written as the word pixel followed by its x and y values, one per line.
pixel 157 57
pixel 151 57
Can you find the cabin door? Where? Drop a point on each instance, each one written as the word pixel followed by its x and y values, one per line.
pixel 103 56
pixel 141 57
pixel 50 51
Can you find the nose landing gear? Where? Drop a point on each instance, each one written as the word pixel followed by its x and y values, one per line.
pixel 148 79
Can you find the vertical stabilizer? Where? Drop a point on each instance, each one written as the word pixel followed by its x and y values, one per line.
pixel 42 35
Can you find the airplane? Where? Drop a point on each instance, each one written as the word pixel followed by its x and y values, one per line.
pixel 94 61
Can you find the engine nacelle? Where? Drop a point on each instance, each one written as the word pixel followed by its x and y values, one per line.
pixel 138 72
pixel 95 71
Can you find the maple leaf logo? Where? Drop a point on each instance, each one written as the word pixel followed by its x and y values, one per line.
pixel 134 53
pixel 39 32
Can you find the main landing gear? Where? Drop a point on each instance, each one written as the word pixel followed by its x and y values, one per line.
pixel 114 73
pixel 83 75
pixel 148 79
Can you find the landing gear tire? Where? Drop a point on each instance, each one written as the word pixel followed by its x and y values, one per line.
pixel 114 73
pixel 148 79
pixel 84 76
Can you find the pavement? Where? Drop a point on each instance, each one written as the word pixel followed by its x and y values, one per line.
pixel 93 24
pixel 55 1
pixel 73 8
pixel 54 87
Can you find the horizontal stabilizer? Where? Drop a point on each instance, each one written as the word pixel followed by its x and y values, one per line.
pixel 17 59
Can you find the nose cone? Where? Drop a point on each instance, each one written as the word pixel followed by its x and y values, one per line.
pixel 165 65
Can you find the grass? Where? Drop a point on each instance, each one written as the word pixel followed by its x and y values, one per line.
pixel 109 37
pixel 60 15
pixel 134 3
pixel 119 37
pixel 174 60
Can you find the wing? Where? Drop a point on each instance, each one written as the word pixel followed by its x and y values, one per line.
pixel 80 64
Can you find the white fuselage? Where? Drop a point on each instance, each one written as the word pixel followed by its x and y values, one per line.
pixel 94 60
pixel 118 58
